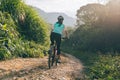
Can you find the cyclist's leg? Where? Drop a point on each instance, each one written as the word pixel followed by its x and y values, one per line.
pixel 52 38
pixel 58 42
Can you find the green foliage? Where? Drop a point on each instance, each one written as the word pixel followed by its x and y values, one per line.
pixel 10 43
pixel 35 26
pixel 5 54
pixel 98 66
pixel 22 32
pixel 30 25
pixel 8 35
pixel 106 68
pixel 29 49
pixel 10 6
pixel 100 31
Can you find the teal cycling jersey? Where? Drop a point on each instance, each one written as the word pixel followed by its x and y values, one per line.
pixel 58 28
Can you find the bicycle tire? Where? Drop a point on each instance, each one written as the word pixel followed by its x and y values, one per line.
pixel 49 59
pixel 56 61
pixel 52 57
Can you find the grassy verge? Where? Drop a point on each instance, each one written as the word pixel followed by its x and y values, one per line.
pixel 98 66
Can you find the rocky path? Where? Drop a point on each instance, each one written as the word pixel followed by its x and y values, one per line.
pixel 37 69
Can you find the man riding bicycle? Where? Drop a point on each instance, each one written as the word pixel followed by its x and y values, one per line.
pixel 56 35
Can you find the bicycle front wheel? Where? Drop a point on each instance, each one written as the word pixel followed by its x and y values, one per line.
pixel 50 59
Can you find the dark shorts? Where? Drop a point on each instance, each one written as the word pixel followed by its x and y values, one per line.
pixel 56 37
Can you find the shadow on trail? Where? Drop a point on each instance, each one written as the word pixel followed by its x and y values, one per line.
pixel 21 73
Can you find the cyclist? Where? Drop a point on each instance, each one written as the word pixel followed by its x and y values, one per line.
pixel 57 33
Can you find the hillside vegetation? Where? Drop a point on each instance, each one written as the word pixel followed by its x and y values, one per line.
pixel 22 32
pixel 100 31
pixel 97 42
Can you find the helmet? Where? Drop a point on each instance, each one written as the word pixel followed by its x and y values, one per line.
pixel 60 18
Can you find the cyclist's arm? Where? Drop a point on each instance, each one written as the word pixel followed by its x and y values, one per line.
pixel 66 32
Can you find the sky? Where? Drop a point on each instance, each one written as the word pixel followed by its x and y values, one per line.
pixel 68 7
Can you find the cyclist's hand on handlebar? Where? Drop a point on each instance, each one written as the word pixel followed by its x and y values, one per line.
pixel 65 37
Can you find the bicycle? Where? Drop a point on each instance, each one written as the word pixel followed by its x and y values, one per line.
pixel 52 55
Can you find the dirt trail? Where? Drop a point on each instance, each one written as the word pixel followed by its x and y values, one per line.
pixel 37 69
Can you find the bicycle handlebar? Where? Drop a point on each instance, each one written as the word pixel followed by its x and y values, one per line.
pixel 64 38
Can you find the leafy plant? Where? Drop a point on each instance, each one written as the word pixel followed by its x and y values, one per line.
pixel 106 68
pixel 22 32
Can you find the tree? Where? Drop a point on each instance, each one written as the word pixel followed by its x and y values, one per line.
pixel 101 29
pixel 90 13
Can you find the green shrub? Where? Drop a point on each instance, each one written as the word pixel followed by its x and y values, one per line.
pixel 22 32
pixel 11 45
pixel 8 35
pixel 106 68
pixel 5 54
pixel 29 24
